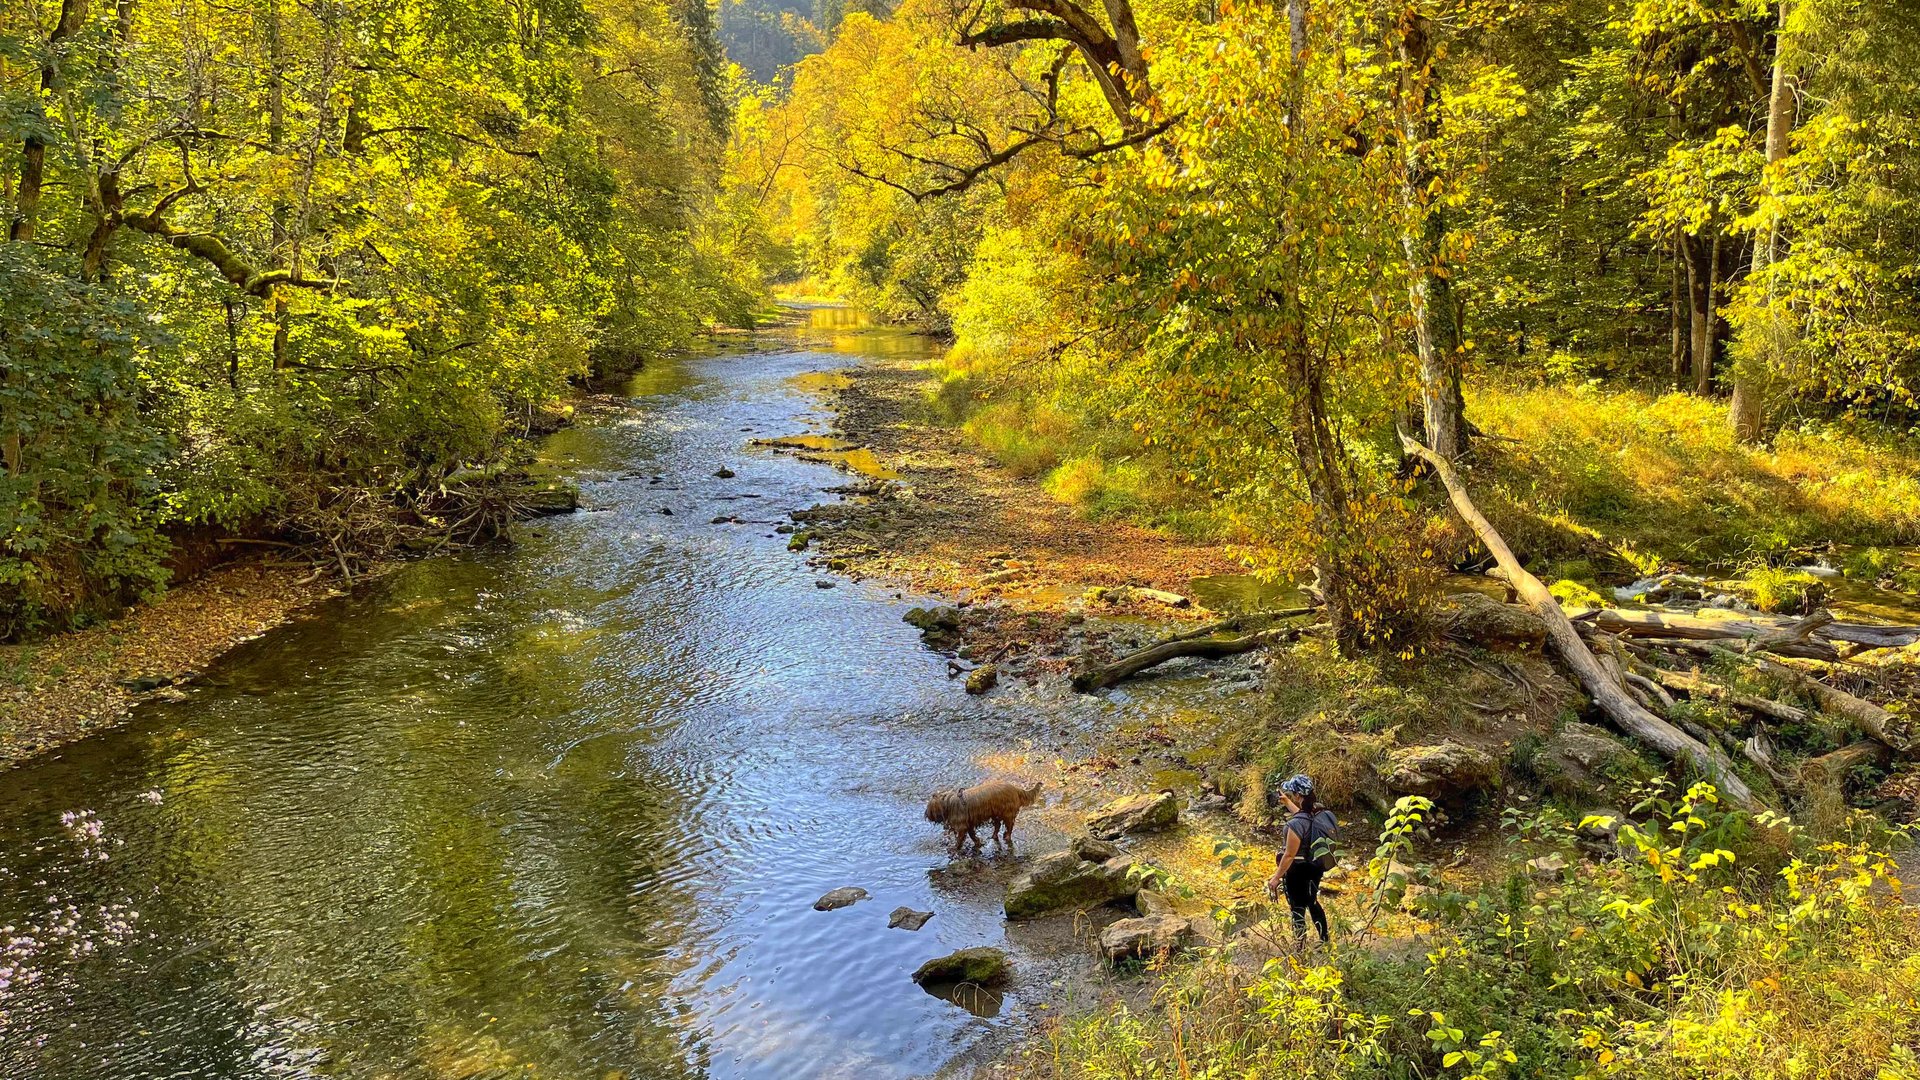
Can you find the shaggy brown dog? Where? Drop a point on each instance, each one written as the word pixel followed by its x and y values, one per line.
pixel 996 801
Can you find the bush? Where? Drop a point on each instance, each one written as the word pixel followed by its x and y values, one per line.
pixel 76 451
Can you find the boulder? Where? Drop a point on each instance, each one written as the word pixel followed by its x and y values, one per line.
pixel 1443 770
pixel 982 965
pixel 1581 758
pixel 1063 880
pixel 908 918
pixel 839 898
pixel 1135 814
pixel 1094 849
pixel 1159 935
pixel 982 679
pixel 723 473
pixel 1152 902
pixel 1483 620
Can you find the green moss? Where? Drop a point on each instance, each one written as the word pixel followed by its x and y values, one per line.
pixel 1780 590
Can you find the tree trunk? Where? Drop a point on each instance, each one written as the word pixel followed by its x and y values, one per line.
pixel 1436 329
pixel 1608 695
pixel 1746 411
pixel 33 150
pixel 1676 310
pixel 1703 258
pixel 276 143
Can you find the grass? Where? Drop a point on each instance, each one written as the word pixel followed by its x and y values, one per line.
pixel 1598 468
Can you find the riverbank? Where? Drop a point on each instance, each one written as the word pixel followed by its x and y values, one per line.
pixel 71 685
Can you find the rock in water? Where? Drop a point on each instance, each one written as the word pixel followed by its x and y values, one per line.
pixel 1063 880
pixel 1443 770
pixel 908 918
pixel 839 898
pixel 723 473
pixel 981 679
pixel 981 964
pixel 1158 935
pixel 930 620
pixel 1134 814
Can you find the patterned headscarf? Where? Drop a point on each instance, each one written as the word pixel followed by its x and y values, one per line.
pixel 1298 784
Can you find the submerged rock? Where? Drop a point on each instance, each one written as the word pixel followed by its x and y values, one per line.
pixel 1063 880
pixel 906 917
pixel 1135 814
pixel 1443 770
pixel 1158 935
pixel 982 964
pixel 839 898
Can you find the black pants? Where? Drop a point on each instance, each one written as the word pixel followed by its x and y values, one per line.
pixel 1303 897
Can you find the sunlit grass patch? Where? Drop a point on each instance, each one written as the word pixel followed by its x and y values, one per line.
pixel 1665 474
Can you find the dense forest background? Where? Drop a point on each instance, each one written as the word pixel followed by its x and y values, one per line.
pixel 1202 260
pixel 320 265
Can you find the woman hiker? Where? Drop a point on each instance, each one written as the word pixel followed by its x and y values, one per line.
pixel 1300 865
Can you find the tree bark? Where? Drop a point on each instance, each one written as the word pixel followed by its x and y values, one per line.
pixel 1673 625
pixel 1608 695
pixel 33 150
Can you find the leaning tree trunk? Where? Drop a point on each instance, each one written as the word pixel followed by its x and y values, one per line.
pixel 1609 695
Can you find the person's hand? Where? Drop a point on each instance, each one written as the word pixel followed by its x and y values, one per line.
pixel 1273 887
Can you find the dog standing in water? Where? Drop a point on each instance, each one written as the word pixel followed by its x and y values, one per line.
pixel 996 801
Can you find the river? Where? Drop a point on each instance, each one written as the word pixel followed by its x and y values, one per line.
pixel 557 810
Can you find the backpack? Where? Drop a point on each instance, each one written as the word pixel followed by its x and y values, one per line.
pixel 1317 838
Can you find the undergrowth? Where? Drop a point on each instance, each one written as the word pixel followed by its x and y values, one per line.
pixel 1716 945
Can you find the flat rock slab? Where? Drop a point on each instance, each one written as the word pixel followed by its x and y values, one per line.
pixel 1135 814
pixel 908 918
pixel 839 898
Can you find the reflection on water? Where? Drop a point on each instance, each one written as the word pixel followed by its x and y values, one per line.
pixel 558 811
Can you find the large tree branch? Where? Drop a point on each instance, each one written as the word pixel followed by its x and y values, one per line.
pixel 233 266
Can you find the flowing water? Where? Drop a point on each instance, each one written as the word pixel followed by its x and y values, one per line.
pixel 557 811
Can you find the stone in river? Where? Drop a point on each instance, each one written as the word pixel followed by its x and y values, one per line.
pixel 839 898
pixel 982 964
pixel 907 917
pixel 723 473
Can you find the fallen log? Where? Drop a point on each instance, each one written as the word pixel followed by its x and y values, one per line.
pixel 1611 698
pixel 1154 655
pixel 1799 650
pixel 1835 766
pixel 1869 719
pixel 1693 682
pixel 1820 624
